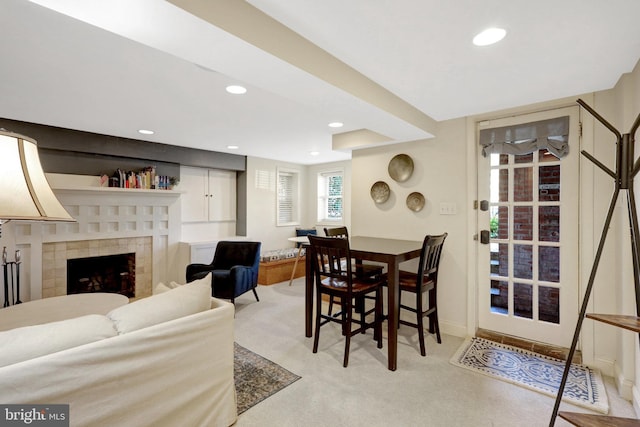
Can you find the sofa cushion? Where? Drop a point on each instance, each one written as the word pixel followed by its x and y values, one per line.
pixel 181 301
pixel 160 288
pixel 29 342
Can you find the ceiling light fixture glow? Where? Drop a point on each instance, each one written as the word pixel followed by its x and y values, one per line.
pixel 489 36
pixel 314 153
pixel 335 125
pixel 146 131
pixel 236 90
pixel 232 147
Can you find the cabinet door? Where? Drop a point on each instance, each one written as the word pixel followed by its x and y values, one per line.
pixel 222 195
pixel 194 182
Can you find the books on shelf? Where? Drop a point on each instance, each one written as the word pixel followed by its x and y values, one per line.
pixel 143 179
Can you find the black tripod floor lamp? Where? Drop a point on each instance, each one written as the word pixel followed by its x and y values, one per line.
pixel 626 170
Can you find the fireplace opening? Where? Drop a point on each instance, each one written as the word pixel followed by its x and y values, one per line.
pixel 110 273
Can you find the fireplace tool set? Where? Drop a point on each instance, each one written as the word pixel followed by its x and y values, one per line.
pixel 11 278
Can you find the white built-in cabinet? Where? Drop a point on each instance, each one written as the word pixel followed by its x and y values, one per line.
pixel 208 194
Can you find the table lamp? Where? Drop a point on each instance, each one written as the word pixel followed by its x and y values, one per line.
pixel 25 193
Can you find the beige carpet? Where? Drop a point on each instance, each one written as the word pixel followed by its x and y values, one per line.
pixel 424 391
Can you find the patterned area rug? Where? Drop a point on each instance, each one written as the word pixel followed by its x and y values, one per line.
pixel 257 378
pixel 534 371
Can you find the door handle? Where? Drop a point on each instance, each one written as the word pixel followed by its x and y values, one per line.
pixel 484 237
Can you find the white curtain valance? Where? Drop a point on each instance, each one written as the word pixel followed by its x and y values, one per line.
pixel 552 134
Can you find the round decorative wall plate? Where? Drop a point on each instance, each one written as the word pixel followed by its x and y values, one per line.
pixel 415 201
pixel 401 167
pixel 380 192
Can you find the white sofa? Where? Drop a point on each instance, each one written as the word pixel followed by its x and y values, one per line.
pixel 166 360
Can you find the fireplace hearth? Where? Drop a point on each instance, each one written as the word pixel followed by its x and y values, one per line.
pixel 109 273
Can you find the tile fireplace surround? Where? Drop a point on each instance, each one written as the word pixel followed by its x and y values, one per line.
pixel 110 221
pixel 56 255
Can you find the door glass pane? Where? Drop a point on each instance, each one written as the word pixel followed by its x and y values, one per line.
pixel 549 223
pixel 549 304
pixel 549 187
pixel 545 155
pixel 499 222
pixel 523 222
pixel 522 301
pixel 499 296
pixel 549 263
pixel 523 261
pixel 499 259
pixel 523 158
pixel 504 186
pixel 523 184
pixel 499 159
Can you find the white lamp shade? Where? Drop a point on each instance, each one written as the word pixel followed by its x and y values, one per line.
pixel 25 193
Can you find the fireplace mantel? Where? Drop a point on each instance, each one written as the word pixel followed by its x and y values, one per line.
pixel 102 213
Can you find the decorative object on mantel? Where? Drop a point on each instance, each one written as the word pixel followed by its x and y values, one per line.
pixel 380 192
pixel 400 167
pixel 415 201
pixel 25 193
pixel 14 268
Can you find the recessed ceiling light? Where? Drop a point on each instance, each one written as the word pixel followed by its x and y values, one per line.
pixel 146 131
pixel 489 36
pixel 232 147
pixel 335 125
pixel 236 90
pixel 314 153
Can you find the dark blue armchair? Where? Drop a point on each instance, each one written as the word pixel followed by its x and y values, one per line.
pixel 234 269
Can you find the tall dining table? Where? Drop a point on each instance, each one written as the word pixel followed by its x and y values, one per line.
pixel 389 251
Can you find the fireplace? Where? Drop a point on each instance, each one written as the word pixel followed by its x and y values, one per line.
pixel 110 273
pixel 55 257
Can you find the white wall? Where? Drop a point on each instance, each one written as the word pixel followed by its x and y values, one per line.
pixel 440 174
pixel 261 203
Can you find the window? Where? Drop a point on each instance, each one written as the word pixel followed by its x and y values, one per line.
pixel 288 205
pixel 330 196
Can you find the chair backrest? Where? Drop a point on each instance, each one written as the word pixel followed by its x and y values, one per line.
pixel 340 232
pixel 230 253
pixel 329 256
pixel 430 257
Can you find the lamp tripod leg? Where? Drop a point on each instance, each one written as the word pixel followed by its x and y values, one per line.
pixel 583 309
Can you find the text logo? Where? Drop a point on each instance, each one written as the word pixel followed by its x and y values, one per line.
pixel 34 415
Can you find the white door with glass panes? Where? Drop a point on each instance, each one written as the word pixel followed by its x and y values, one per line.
pixel 528 180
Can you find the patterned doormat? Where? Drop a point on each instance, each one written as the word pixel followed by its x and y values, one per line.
pixel 257 378
pixel 534 371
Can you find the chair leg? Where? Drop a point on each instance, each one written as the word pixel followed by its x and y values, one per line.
pixel 379 317
pixel 256 294
pixel 361 308
pixel 420 323
pixel 433 320
pixel 434 324
pixel 399 308
pixel 347 322
pixel 316 337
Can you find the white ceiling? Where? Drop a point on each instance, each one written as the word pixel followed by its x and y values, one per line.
pixel 393 67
